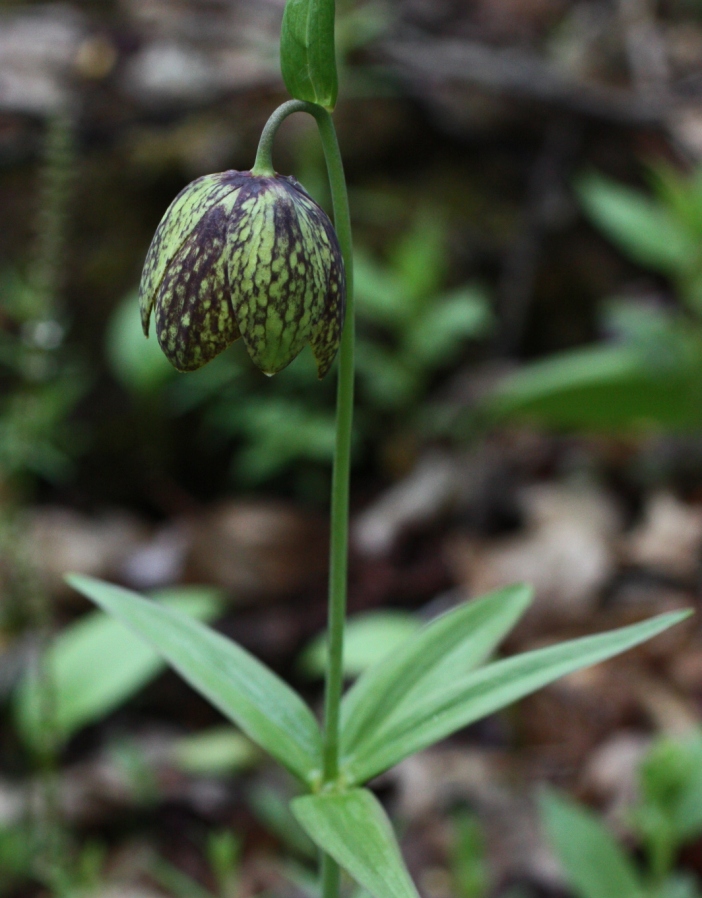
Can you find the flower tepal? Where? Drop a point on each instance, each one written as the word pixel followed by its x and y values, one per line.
pixel 240 255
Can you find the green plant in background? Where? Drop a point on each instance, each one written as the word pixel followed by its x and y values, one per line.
pixel 666 817
pixel 40 383
pixel 120 662
pixel 468 862
pixel 668 814
pixel 222 852
pixel 410 327
pixel 437 681
pixel 650 377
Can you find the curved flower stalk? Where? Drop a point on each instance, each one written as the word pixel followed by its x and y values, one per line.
pixel 244 255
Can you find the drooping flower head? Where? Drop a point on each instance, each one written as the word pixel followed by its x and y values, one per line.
pixel 241 255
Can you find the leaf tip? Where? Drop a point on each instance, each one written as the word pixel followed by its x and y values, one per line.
pixel 524 593
pixel 76 580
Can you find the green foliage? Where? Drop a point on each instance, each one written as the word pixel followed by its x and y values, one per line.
pixel 409 328
pixel 21 859
pixel 457 701
pixel 368 639
pixel 39 383
pixel 629 387
pixel 223 854
pixel 667 815
pixel 645 229
pixel 242 688
pixel 138 364
pixel 289 421
pixel 352 827
pixel 426 690
pixel 96 664
pixel 663 233
pixel 216 751
pixel 594 865
pixel 177 883
pixel 17 854
pixel 307 51
pixel 447 647
pixel 651 377
pixel 469 868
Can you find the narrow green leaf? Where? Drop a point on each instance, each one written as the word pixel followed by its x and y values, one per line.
pixel 353 828
pixel 644 229
pixel 616 388
pixel 416 725
pixel 594 865
pixel 307 51
pixel 235 682
pixel 447 647
pixel 604 389
pixel 118 663
pixel 446 324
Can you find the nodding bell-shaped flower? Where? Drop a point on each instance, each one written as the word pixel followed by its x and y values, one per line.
pixel 242 255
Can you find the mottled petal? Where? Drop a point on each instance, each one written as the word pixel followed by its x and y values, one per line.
pixel 242 255
pixel 327 335
pixel 267 295
pixel 327 267
pixel 182 217
pixel 193 313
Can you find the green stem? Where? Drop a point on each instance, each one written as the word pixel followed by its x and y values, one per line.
pixel 263 164
pixel 342 453
pixel 331 877
pixel 342 457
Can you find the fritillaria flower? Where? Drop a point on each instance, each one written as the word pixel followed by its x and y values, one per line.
pixel 241 255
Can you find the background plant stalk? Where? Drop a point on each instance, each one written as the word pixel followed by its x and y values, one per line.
pixel 338 563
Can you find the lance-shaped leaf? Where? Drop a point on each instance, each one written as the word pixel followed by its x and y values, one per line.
pixel 118 661
pixel 594 865
pixel 307 52
pixel 235 682
pixel 415 726
pixel 352 827
pixel 446 648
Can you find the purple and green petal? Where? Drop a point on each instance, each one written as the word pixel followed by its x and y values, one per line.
pixel 180 220
pixel 240 255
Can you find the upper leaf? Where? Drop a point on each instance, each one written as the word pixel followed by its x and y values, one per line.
pixel 415 725
pixel 353 828
pixel 594 865
pixel 235 682
pixel 446 648
pixel 307 51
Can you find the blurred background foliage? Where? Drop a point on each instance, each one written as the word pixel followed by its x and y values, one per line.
pixel 526 192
